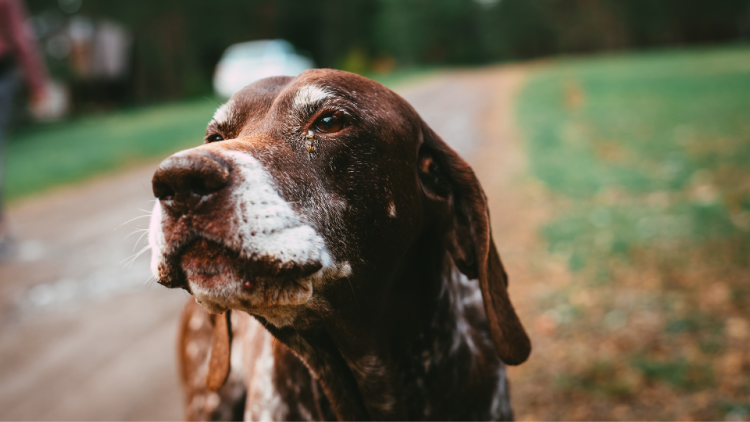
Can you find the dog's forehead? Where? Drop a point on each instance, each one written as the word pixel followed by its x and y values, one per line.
pixel 278 111
pixel 301 94
pixel 248 105
pixel 329 82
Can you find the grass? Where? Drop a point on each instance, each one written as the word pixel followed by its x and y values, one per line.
pixel 53 154
pixel 648 157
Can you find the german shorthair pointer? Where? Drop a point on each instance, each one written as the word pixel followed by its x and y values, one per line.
pixel 339 253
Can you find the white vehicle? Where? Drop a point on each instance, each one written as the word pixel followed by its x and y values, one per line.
pixel 247 62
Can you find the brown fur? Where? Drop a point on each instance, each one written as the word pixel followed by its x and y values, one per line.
pixel 398 337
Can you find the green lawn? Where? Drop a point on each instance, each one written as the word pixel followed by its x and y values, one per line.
pixel 648 157
pixel 47 155
pixel 668 131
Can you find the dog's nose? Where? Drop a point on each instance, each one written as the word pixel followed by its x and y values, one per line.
pixel 183 182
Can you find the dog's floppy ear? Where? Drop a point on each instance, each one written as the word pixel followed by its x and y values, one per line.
pixel 449 183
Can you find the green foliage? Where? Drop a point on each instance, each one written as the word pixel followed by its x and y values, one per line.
pixel 599 378
pixel 396 79
pixel 178 43
pixel 736 411
pixel 694 323
pixel 679 373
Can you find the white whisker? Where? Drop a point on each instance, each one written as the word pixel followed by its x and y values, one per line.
pixel 131 260
pixel 134 232
pixel 148 211
pixel 132 219
pixel 145 232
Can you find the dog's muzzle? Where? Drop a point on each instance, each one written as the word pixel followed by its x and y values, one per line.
pixel 221 231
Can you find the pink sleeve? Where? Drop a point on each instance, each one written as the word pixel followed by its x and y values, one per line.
pixel 25 47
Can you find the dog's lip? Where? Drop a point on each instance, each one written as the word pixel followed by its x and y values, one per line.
pixel 221 279
pixel 208 257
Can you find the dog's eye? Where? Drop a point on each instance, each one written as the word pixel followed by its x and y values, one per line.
pixel 330 123
pixel 214 137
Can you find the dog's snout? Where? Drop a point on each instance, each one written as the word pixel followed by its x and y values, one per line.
pixel 183 181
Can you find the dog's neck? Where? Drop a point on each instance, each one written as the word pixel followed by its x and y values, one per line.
pixel 430 329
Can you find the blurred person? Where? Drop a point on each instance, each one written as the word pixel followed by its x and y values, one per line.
pixel 16 48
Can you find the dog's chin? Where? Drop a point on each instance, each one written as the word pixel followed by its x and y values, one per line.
pixel 221 280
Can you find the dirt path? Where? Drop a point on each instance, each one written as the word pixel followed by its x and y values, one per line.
pixel 84 336
pixel 519 205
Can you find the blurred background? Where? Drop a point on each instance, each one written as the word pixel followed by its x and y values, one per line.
pixel 612 138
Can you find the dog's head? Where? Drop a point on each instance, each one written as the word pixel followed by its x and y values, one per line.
pixel 309 185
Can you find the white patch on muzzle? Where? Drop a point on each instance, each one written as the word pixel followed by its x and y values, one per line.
pixel 156 239
pixel 259 224
pixel 264 225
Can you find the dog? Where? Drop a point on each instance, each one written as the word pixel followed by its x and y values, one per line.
pixel 341 260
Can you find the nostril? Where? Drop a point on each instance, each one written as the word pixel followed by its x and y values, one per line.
pixel 187 177
pixel 163 191
pixel 197 186
pixel 204 184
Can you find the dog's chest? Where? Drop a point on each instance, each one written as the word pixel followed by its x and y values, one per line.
pixel 279 385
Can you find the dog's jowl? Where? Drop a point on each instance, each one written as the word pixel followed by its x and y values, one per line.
pixel 341 260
